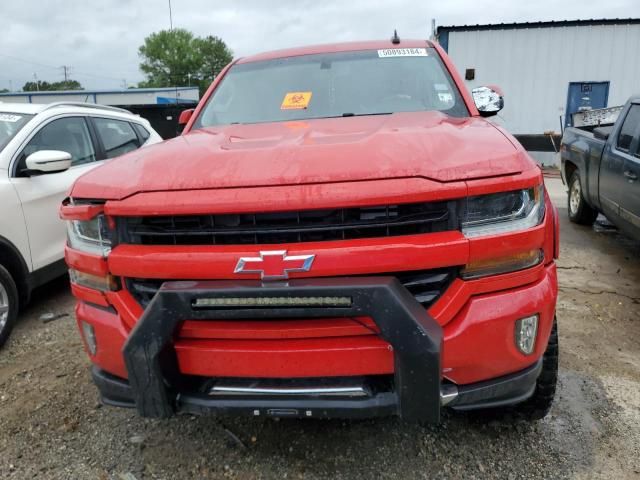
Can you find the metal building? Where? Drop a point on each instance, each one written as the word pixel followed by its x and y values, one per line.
pixel 130 96
pixel 161 106
pixel 548 70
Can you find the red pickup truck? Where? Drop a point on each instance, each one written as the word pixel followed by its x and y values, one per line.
pixel 337 233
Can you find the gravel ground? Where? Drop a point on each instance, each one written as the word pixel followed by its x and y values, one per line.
pixel 52 426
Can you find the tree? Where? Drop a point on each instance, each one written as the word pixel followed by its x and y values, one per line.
pixel 4 90
pixel 44 86
pixel 178 58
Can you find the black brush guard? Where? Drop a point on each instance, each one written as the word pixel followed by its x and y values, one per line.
pixel 416 339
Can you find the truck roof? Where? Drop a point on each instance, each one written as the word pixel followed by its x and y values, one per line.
pixel 335 47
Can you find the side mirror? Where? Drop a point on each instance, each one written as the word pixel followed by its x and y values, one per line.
pixel 185 116
pixel 48 161
pixel 602 133
pixel 488 100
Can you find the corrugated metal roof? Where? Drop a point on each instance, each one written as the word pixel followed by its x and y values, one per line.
pixel 559 23
pixel 98 92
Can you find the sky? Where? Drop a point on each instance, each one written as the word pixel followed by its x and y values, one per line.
pixel 99 39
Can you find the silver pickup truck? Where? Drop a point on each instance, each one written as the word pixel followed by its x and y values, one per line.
pixel 601 166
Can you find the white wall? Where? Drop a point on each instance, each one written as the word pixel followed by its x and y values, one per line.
pixel 535 65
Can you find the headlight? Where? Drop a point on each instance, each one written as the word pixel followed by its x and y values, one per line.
pixel 91 236
pixel 503 212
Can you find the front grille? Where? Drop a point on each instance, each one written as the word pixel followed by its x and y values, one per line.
pixel 290 227
pixel 426 285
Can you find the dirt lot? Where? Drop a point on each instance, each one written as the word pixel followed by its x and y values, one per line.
pixel 52 426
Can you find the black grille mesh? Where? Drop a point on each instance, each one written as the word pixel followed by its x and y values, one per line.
pixel 290 227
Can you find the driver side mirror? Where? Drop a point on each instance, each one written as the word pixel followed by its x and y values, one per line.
pixel 184 118
pixel 488 100
pixel 48 161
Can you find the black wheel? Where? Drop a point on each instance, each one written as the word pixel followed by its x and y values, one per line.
pixel 579 210
pixel 8 304
pixel 539 404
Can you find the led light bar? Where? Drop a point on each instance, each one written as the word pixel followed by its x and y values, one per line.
pixel 253 302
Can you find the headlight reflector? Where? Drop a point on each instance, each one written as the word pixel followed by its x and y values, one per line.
pixel 91 236
pixel 503 212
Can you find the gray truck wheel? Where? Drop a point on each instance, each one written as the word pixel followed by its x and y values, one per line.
pixel 8 304
pixel 579 210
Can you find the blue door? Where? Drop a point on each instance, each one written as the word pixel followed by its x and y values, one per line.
pixel 585 96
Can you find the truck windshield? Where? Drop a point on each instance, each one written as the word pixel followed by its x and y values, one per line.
pixel 10 124
pixel 367 82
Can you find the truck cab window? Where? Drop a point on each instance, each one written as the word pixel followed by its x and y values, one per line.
pixel 629 129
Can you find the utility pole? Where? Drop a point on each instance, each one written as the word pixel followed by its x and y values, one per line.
pixel 170 18
pixel 124 83
pixel 66 70
pixel 35 77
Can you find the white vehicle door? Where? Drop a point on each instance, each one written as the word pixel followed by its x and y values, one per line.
pixel 41 194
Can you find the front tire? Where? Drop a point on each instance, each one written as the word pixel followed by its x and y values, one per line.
pixel 8 304
pixel 538 405
pixel 579 210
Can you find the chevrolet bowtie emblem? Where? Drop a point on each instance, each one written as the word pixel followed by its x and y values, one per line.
pixel 274 265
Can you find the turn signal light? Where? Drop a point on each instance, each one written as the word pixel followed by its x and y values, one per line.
pixel 95 282
pixel 496 266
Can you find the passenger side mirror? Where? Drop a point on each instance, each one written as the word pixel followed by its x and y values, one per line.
pixel 488 100
pixel 48 161
pixel 602 133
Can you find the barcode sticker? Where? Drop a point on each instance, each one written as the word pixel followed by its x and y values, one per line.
pixel 402 52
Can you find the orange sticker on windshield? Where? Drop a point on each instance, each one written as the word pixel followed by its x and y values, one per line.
pixel 296 101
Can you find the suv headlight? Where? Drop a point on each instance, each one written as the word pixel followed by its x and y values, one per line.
pixel 503 212
pixel 91 236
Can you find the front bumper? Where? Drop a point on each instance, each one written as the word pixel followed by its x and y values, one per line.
pixel 157 389
pixel 507 390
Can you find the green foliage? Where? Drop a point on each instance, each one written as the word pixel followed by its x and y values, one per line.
pixel 178 58
pixel 4 90
pixel 46 86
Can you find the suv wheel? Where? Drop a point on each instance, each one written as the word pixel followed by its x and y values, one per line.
pixel 579 210
pixel 8 304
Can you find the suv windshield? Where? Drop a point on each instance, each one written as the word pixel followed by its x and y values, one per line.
pixel 10 124
pixel 367 82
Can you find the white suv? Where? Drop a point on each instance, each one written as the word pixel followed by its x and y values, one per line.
pixel 43 150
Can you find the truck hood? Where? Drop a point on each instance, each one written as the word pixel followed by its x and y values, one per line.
pixel 417 144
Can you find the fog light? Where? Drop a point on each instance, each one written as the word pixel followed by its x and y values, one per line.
pixel 526 330
pixel 89 335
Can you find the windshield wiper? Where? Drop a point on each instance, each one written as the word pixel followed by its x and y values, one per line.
pixel 351 114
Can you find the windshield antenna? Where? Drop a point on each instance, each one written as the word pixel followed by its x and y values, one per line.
pixel 395 39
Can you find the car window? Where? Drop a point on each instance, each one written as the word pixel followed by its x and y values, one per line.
pixel 69 135
pixel 118 136
pixel 10 125
pixel 142 132
pixel 629 128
